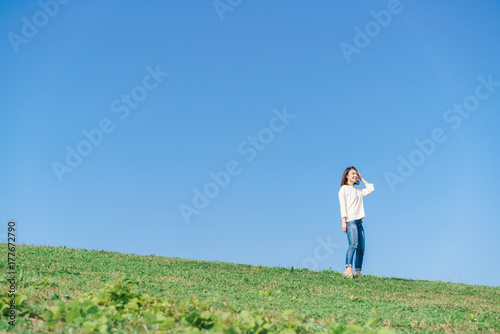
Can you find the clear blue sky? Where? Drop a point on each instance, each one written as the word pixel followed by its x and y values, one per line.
pixel 357 91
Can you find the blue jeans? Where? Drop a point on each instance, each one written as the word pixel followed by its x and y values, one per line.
pixel 356 238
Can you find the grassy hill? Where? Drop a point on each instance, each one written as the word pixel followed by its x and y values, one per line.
pixel 64 290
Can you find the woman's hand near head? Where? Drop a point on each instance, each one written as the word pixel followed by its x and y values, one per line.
pixel 361 178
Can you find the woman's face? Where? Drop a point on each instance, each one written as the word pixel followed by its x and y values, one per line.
pixel 352 176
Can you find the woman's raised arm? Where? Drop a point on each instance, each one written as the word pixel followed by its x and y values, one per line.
pixel 369 186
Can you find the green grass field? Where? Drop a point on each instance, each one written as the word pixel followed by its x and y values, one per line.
pixel 66 290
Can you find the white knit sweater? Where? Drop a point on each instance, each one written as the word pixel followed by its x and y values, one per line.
pixel 351 201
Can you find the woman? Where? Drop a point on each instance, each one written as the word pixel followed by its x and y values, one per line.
pixel 352 214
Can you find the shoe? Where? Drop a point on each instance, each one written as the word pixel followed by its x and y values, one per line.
pixel 358 275
pixel 348 275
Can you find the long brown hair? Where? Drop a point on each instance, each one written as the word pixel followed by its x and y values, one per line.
pixel 344 176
